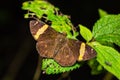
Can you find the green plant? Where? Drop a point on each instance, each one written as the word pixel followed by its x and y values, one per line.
pixel 104 35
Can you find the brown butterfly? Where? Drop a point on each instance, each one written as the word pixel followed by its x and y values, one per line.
pixel 52 44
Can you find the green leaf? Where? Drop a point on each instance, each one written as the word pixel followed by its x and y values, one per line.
pixel 60 22
pixel 107 29
pixel 49 66
pixel 102 13
pixel 108 57
pixel 38 7
pixel 85 32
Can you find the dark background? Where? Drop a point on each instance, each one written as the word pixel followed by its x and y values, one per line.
pixel 18 56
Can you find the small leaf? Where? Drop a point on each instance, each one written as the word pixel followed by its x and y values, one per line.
pixel 85 32
pixel 108 57
pixel 49 66
pixel 102 13
pixel 107 29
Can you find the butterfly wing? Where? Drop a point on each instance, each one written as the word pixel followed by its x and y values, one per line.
pixel 68 53
pixel 89 53
pixel 35 26
pixel 46 43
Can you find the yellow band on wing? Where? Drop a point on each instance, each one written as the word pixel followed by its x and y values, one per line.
pixel 81 51
pixel 40 31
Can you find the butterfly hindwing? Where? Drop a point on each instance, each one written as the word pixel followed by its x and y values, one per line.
pixel 46 43
pixel 68 54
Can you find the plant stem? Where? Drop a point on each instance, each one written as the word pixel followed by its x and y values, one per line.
pixel 38 69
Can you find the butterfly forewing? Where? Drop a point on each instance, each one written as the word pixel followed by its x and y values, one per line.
pixel 35 26
pixel 89 53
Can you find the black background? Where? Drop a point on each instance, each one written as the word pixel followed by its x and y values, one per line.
pixel 18 46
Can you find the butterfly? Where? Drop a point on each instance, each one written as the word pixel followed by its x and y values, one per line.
pixel 53 44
